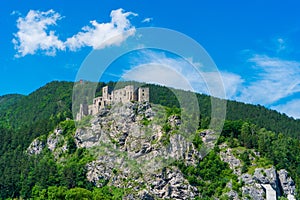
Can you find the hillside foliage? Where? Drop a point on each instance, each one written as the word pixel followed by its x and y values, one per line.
pixel 24 118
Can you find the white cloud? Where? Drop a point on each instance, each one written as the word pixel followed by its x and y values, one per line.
pixel 276 79
pixel 232 84
pixel 281 44
pixel 33 34
pixel 158 74
pixel 101 35
pixel 176 72
pixel 15 12
pixel 147 20
pixel 290 108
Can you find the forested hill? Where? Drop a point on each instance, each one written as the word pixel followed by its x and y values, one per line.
pixel 48 100
pixel 8 100
pixel 54 101
pixel 24 118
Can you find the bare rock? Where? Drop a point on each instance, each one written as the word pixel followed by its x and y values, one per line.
pixel 287 183
pixel 267 176
pixel 255 191
pixel 35 147
pixel 234 163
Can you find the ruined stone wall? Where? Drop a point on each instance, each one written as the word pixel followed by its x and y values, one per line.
pixel 124 95
pixel 143 94
pixel 83 111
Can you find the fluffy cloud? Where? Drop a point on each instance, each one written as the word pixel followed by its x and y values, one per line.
pixel 147 20
pixel 232 84
pixel 101 35
pixel 33 34
pixel 290 108
pixel 158 74
pixel 276 79
pixel 177 72
pixel 281 45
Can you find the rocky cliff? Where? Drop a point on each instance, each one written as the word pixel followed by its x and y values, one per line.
pixel 258 182
pixel 134 152
pixel 135 144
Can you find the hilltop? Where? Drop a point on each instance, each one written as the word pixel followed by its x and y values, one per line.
pixel 23 119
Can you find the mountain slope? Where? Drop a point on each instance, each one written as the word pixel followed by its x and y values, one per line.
pixel 141 149
pixel 24 118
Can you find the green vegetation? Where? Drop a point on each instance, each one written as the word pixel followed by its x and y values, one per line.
pixel 145 121
pixel 275 149
pixel 210 176
pixel 62 193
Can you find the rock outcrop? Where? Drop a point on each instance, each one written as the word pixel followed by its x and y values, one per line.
pixel 134 144
pixel 130 144
pixel 36 147
pixel 267 176
pixel 55 142
pixel 287 184
pixel 263 183
pixel 234 163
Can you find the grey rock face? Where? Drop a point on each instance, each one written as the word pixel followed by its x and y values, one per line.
pixel 255 191
pixel 287 183
pixel 174 121
pixel 267 176
pixel 232 194
pixel 247 179
pixel 35 147
pixel 130 154
pixel 170 183
pixel 54 139
pixel 234 163
pixel 55 143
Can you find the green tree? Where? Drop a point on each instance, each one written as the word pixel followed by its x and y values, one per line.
pixel 79 194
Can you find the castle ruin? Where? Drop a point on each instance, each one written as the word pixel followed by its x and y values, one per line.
pixel 123 95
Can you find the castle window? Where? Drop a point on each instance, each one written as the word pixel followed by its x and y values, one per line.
pixel 143 94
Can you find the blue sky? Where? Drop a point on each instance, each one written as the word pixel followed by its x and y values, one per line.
pixel 255 44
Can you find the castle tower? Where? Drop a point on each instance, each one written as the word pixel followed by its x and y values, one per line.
pixel 143 94
pixel 129 93
pixel 83 111
pixel 105 93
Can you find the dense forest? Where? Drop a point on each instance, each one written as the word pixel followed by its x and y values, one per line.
pixel 24 118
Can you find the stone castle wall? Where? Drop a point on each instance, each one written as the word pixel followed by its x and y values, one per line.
pixel 123 95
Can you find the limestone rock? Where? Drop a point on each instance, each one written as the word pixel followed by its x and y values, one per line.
pixel 247 179
pixel 55 139
pixel 267 176
pixel 126 149
pixel 35 147
pixel 174 121
pixel 234 163
pixel 170 184
pixel 255 191
pixel 287 183
pixel 233 195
